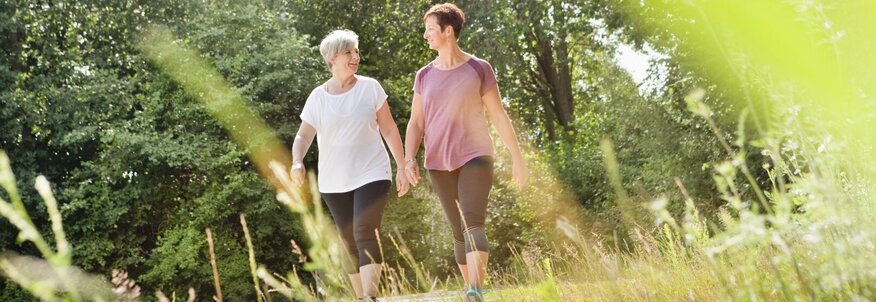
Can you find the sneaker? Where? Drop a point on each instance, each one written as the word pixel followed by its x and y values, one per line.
pixel 474 294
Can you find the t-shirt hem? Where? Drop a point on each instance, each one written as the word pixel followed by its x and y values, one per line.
pixel 458 164
pixel 356 185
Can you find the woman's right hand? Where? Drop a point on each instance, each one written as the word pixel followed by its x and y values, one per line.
pixel 401 183
pixel 412 172
pixel 520 173
pixel 299 148
pixel 298 173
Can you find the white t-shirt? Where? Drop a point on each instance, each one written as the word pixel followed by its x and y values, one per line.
pixel 351 151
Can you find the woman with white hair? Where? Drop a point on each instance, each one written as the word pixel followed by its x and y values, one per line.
pixel 348 114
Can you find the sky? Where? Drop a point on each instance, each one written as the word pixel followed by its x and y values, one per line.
pixel 637 63
pixel 634 62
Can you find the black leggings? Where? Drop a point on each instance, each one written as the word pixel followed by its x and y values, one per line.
pixel 470 185
pixel 357 215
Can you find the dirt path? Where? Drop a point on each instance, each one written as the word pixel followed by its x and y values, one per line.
pixel 427 297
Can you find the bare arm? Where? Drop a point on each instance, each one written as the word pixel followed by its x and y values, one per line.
pixel 302 142
pixel 413 136
pixel 389 130
pixel 499 118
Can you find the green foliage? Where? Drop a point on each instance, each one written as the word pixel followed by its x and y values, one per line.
pixel 142 168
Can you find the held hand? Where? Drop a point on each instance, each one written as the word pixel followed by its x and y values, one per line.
pixel 401 183
pixel 520 173
pixel 412 172
pixel 298 173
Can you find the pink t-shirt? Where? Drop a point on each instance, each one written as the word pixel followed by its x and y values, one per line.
pixel 455 123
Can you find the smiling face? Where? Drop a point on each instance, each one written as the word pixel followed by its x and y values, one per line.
pixel 434 35
pixel 346 62
pixel 340 50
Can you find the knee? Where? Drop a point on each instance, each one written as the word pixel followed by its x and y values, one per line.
pixel 368 244
pixel 473 219
pixel 476 239
pixel 365 232
pixel 349 242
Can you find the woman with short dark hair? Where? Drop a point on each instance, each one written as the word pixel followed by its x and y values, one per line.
pixel 451 94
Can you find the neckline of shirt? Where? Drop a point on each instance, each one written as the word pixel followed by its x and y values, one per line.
pixel 470 57
pixel 355 85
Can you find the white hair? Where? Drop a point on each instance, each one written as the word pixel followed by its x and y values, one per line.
pixel 336 42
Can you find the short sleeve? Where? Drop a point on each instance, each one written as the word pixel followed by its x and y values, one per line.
pixel 418 82
pixel 489 81
pixel 309 112
pixel 379 96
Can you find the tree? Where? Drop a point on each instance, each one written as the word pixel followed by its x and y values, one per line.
pixel 140 168
pixel 537 45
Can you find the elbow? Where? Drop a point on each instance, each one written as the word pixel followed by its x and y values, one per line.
pixel 412 127
pixel 418 130
pixel 393 132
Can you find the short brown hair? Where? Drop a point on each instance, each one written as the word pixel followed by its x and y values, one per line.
pixel 447 14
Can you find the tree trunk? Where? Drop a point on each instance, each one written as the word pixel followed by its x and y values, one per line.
pixel 13 47
pixel 546 52
pixel 557 76
pixel 563 84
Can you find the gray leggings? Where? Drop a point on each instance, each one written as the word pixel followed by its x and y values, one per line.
pixel 357 215
pixel 470 185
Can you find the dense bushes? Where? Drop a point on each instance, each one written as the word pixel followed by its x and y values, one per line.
pixel 141 168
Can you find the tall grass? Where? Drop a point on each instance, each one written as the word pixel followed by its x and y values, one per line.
pixel 814 243
pixel 51 278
